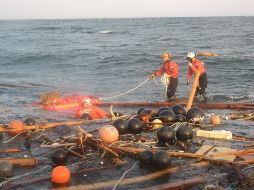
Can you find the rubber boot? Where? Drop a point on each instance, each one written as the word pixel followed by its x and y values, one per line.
pixel 203 97
pixel 171 99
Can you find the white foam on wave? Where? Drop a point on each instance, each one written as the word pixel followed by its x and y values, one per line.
pixel 105 31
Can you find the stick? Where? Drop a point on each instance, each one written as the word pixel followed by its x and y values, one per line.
pixel 178 185
pixel 148 177
pixel 21 161
pixel 236 153
pixel 193 90
pixel 10 150
pixel 57 145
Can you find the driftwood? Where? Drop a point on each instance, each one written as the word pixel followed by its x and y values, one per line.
pixel 179 185
pixel 21 161
pixel 193 90
pixel 57 145
pixel 10 150
pixel 236 153
pixel 239 106
pixel 148 177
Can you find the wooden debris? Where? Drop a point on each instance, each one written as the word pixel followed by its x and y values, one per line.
pixel 10 150
pixel 219 153
pixel 193 90
pixel 21 161
pixel 179 185
pixel 57 145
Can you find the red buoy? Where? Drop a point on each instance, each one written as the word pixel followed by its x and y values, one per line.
pixel 215 120
pixel 60 175
pixel 16 127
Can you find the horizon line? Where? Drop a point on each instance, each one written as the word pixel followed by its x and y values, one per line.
pixel 91 18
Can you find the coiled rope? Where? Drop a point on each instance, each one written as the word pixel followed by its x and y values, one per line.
pixel 126 91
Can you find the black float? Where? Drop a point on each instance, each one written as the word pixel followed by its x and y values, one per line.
pixel 161 159
pixel 167 116
pixel 146 157
pixel 178 109
pixel 184 133
pixel 195 115
pixel 166 135
pixel 121 126
pixel 135 126
pixel 86 116
pixel 30 122
pixel 59 157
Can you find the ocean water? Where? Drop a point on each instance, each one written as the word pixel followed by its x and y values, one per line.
pixel 106 57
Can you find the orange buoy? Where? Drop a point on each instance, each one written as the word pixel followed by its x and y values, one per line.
pixel 108 134
pixel 60 175
pixel 215 120
pixel 16 126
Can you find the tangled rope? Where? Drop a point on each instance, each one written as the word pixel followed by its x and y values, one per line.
pixel 126 91
pixel 165 80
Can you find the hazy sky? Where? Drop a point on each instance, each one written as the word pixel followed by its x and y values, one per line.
pixel 24 9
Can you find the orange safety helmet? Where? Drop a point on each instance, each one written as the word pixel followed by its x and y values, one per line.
pixel 166 55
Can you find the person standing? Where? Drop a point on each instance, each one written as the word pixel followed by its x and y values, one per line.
pixel 170 69
pixel 194 65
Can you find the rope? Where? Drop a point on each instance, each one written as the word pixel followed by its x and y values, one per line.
pixel 124 173
pixel 165 81
pixel 9 140
pixel 126 91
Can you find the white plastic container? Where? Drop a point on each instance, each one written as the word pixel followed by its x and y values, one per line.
pixel 215 134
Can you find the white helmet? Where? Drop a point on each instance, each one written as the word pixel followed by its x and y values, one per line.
pixel 191 55
pixel 87 101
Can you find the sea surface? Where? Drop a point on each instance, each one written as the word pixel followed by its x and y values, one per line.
pixel 107 57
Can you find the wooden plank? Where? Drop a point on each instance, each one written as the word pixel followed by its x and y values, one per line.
pixel 217 150
pixel 178 185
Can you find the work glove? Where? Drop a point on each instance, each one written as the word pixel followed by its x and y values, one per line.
pixel 152 76
pixel 188 82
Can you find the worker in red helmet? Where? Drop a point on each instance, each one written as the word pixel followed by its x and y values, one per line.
pixel 195 64
pixel 170 69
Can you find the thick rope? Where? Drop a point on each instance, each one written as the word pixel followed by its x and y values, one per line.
pixel 126 91
pixel 165 81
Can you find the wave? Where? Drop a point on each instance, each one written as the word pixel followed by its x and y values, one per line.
pixel 230 98
pixel 48 28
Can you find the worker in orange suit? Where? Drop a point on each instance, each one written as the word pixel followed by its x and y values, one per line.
pixel 194 65
pixel 91 112
pixel 170 78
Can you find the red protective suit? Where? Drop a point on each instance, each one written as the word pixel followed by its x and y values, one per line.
pixel 94 111
pixel 170 68
pixel 196 65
